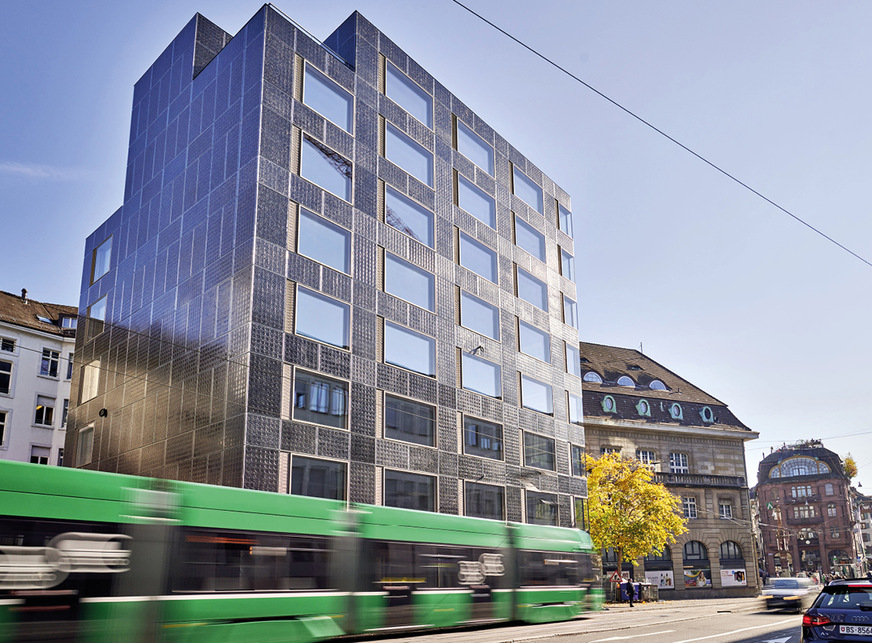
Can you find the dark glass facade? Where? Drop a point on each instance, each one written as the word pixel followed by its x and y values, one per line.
pixel 211 366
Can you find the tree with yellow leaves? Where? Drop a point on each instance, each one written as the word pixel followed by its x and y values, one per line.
pixel 850 466
pixel 628 511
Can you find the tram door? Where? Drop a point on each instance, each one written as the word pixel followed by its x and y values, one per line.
pixel 395 565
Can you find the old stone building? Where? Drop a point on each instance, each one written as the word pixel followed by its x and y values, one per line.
pixel 635 406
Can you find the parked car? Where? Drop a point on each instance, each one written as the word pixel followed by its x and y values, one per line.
pixel 841 612
pixel 793 594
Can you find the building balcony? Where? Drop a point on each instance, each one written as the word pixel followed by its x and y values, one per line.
pixel 699 480
pixel 814 520
pixel 803 500
pixel 808 542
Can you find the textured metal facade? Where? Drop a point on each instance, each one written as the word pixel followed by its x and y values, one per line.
pixel 198 355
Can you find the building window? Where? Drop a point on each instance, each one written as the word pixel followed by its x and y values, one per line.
pixel 576 460
pixel 675 412
pixel 524 187
pixel 328 99
pixel 689 506
pixel 408 216
pixel 410 490
pixel 609 450
pixel 61 457
pixel 573 359
pixel 476 202
pixel 7 345
pixel 542 508
pixel 480 316
pixel 44 415
pixel 828 489
pixel 321 318
pixel 484 501
pixel 643 408
pixel 69 323
pixel 5 377
pixel 536 395
pixel 325 168
pixel 657 385
pixel 64 413
pixel 473 147
pixel 564 219
pixel 801 491
pixel 318 478
pixel 3 416
pixel 707 414
pixel 410 421
pixel 678 463
pixel 100 259
pixel 831 510
pixel 478 258
pixel 39 455
pixel 406 281
pixel 405 348
pixel 408 155
pixel 85 446
pixel 730 550
pixel 324 241
pixel 646 457
pixel 570 312
pixel 482 438
pixel 532 290
pixel 835 534
pixel 625 380
pixel 529 238
pixel 567 264
pixel 580 507
pixel 609 405
pixel 538 451
pixel 320 400
pixel 48 365
pixel 593 377
pixel 480 375
pixel 90 380
pixel 534 342
pixel 575 413
pixel 70 360
pixel 804 511
pixel 408 94
pixel 96 317
pixel 726 511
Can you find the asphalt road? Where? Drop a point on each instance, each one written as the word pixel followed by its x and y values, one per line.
pixel 711 621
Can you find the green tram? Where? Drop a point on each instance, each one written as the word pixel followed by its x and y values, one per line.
pixel 93 556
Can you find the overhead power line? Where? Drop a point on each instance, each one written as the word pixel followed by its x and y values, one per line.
pixel 664 134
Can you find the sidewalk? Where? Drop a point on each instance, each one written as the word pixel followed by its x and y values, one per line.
pixel 743 604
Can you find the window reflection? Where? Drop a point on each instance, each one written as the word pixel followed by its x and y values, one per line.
pixel 408 349
pixel 318 478
pixel 410 421
pixel 480 375
pixel 484 501
pixel 321 318
pixel 536 395
pixel 320 400
pixel 478 258
pixel 323 241
pixel 527 189
pixel 567 265
pixel 473 147
pixel 415 285
pixel 475 201
pixel 575 409
pixel 405 153
pixel 408 94
pixel 327 98
pixel 532 290
pixel 530 239
pixel 534 342
pixel 101 259
pixel 538 451
pixel 570 312
pixel 325 168
pixel 573 360
pixel 409 217
pixel 482 438
pixel 564 219
pixel 410 490
pixel 480 316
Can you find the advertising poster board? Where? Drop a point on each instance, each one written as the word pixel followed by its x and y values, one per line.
pixel 662 579
pixel 697 578
pixel 733 578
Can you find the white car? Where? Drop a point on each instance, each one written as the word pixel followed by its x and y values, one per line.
pixel 795 594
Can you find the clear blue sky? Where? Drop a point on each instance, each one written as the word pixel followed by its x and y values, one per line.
pixel 716 284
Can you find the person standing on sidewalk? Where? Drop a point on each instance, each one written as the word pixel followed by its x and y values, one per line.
pixel 631 591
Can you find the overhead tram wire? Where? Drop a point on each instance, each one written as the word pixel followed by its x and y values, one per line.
pixel 664 134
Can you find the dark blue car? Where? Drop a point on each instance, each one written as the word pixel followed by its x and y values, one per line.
pixel 841 612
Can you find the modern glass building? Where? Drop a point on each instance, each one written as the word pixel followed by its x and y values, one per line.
pixel 330 277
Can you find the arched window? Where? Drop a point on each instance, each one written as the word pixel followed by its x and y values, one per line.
pixel 666 554
pixel 822 468
pixel 626 380
pixel 609 404
pixel 695 550
pixel 831 509
pixel 675 411
pixel 799 466
pixel 730 550
pixel 657 385
pixel 593 376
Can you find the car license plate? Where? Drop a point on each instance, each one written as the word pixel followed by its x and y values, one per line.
pixel 860 630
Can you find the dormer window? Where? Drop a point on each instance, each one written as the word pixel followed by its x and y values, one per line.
pixel 625 380
pixel 657 385
pixel 675 412
pixel 707 414
pixel 643 408
pixel 593 376
pixel 609 405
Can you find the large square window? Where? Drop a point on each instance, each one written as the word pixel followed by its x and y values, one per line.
pixel 410 490
pixel 324 241
pixel 536 395
pixel 50 362
pixel 484 501
pixel 408 155
pixel 538 451
pixel 570 312
pixel 542 508
pixel 576 459
pixel 320 400
pixel 475 201
pixel 327 98
pixel 534 341
pixel 567 264
pixel 482 438
pixel 318 478
pixel 478 258
pixel 85 446
pixel 573 359
pixel 532 290
pixel 474 147
pixel 101 259
pixel 408 94
pixel 326 168
pixel 5 377
pixel 44 415
pixel 410 421
pixel 575 413
pixel 405 348
pixel 529 238
pixel 321 318
pixel 415 285
pixel 480 375
pixel 480 316
pixel 524 187
pixel 408 216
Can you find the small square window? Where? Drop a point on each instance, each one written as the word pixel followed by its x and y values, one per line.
pixel 322 318
pixel 524 187
pixel 7 345
pixel 531 289
pixel 484 501
pixel 542 508
pixel 320 400
pixel 318 478
pixel 726 510
pixel 409 282
pixel 678 463
pixel 39 455
pixel 538 451
pixel 327 98
pixel 530 239
pixel 326 168
pixel 473 147
pixel 408 216
pixel 408 155
pixel 410 421
pixel 408 94
pixel 410 490
pixel 408 349
pixel 478 258
pixel 534 342
pixel 324 241
pixel 482 438
pixel 480 316
pixel 474 200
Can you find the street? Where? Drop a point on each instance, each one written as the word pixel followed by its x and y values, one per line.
pixel 714 621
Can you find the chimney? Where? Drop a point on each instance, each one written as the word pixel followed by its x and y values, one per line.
pixel 24 294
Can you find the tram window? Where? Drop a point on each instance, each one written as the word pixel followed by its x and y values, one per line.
pixel 549 568
pixel 440 566
pixel 215 560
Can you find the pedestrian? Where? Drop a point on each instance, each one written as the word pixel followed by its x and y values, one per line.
pixel 631 591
